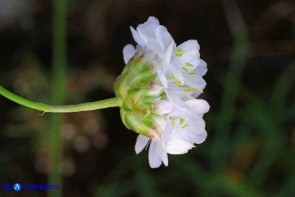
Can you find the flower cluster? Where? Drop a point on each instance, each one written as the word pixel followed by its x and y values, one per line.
pixel 159 85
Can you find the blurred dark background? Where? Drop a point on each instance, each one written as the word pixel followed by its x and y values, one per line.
pixel 249 47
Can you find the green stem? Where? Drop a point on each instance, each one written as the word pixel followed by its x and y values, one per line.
pixel 111 102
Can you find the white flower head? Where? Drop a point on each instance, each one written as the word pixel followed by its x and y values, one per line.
pixel 159 94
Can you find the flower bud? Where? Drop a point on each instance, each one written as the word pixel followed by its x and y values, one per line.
pixel 163 107
pixel 139 90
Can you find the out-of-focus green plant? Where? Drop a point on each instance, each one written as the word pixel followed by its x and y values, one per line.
pixel 249 151
pixel 58 75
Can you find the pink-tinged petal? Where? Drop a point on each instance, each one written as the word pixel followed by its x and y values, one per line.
pixel 154 89
pixel 141 142
pixel 160 124
pixel 164 107
pixel 155 154
pixel 198 105
pixel 128 52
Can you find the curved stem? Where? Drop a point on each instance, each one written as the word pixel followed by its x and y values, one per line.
pixel 106 103
pixel 111 102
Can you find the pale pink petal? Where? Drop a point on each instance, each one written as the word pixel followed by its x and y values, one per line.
pixel 177 147
pixel 198 105
pixel 164 107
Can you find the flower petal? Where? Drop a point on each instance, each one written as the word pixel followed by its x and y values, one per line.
pixel 165 159
pixel 128 52
pixel 136 37
pixel 155 154
pixel 198 105
pixel 167 57
pixel 177 147
pixel 163 37
pixel 194 132
pixel 175 99
pixel 163 107
pixel 176 75
pixel 194 135
pixel 172 118
pixel 148 28
pixel 196 82
pixel 187 52
pixel 201 68
pixel 141 142
pixel 190 45
pixel 154 46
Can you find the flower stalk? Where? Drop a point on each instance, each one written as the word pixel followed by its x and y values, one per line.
pixel 102 104
pixel 156 93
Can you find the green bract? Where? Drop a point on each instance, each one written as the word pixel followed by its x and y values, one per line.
pixel 134 85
